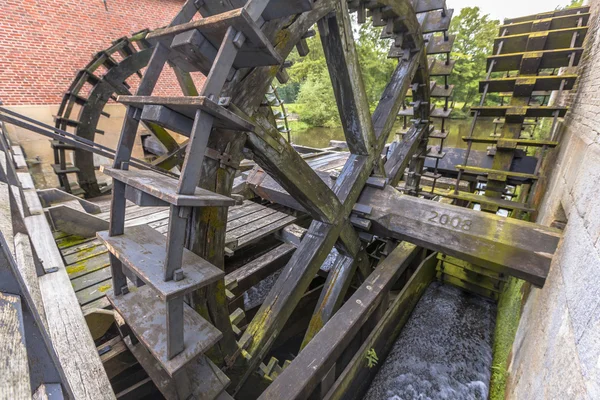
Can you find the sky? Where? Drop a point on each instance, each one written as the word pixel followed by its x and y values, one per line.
pixel 500 9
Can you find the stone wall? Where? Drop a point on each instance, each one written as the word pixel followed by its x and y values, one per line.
pixel 556 354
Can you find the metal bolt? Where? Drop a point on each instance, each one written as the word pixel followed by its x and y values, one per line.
pixel 178 275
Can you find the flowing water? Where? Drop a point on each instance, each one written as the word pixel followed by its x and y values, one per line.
pixel 443 352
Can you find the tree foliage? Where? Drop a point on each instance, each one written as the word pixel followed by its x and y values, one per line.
pixel 310 84
pixel 475 35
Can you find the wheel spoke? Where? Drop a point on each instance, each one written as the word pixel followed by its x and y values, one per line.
pixel 346 79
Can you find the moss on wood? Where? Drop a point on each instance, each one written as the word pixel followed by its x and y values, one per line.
pixel 507 322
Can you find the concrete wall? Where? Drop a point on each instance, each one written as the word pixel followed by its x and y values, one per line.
pixel 556 354
pixel 39 153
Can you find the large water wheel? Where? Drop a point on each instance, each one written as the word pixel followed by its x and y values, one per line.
pixel 240 46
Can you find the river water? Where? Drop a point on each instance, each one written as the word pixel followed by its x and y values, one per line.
pixel 443 352
pixel 320 137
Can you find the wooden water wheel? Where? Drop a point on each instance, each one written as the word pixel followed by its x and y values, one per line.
pixel 177 308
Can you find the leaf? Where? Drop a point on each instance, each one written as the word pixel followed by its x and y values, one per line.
pixel 372 358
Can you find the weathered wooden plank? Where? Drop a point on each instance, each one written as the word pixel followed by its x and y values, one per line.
pixel 136 211
pixel 545 15
pixel 101 303
pixel 90 279
pixel 188 105
pixel 286 166
pixel 6 224
pixel 146 219
pixel 399 158
pixel 115 356
pixel 32 201
pixel 346 77
pixel 256 225
pixel 259 268
pixel 94 292
pixel 357 375
pixel 337 283
pixel 26 180
pixel 27 266
pixel 165 188
pixel 205 379
pixel 493 201
pixel 84 254
pixel 75 222
pixel 76 248
pixel 51 197
pixel 518 248
pixel 143 250
pixel 471 277
pixel 88 265
pixel 258 234
pixel 146 314
pixel 247 208
pixel 393 96
pixel 297 381
pixel 290 286
pixel 13 351
pixel 495 275
pixel 43 242
pixel 18 157
pixel 76 351
pixel 250 219
pixel 46 367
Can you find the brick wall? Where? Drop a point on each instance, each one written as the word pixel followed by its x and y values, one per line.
pixel 556 354
pixel 44 43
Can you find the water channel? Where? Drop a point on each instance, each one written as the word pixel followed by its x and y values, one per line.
pixel 320 137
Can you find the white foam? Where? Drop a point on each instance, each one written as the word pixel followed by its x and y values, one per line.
pixel 444 351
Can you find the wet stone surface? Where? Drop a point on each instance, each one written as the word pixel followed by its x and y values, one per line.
pixel 443 352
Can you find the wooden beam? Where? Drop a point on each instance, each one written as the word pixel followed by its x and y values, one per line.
pixel 393 96
pixel 400 157
pixel 332 295
pixel 518 248
pixel 256 270
pixel 290 287
pixel 287 167
pixel 75 222
pixel 356 377
pixel 346 78
pixel 13 352
pixel 298 381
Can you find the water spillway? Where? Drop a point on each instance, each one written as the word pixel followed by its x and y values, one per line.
pixel 443 352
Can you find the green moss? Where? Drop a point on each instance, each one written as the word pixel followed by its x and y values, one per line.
pixel 507 322
pixel 75 268
pixel 70 241
pixel 105 288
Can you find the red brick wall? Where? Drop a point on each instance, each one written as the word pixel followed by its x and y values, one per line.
pixel 44 43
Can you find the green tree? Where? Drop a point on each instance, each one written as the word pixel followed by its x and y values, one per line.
pixel 375 65
pixel 575 3
pixel 310 84
pixel 315 95
pixel 475 35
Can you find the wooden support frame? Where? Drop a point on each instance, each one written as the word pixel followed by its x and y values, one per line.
pixel 347 188
pixel 331 204
pixel 328 344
